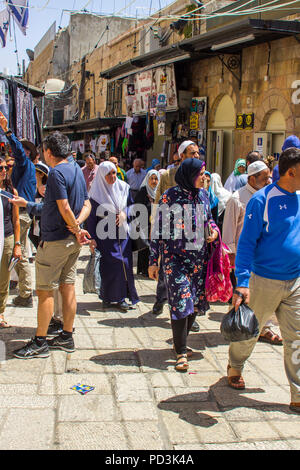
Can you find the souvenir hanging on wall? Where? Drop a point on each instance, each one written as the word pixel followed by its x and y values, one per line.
pixel 161 130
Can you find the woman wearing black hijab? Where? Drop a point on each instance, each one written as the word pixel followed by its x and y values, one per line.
pixel 184 250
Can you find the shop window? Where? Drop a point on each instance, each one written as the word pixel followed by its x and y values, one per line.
pixel 58 117
pixel 87 107
pixel 114 99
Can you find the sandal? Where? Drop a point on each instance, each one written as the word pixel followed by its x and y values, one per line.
pixel 270 337
pixel 182 364
pixel 295 407
pixel 236 381
pixel 4 324
pixel 189 352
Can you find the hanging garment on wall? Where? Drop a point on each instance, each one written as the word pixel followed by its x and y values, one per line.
pixel 4 105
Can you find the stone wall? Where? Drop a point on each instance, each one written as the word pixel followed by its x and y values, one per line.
pixel 258 94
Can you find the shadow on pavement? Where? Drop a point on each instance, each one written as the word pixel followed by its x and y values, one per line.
pixel 15 337
pixel 160 359
pixel 192 407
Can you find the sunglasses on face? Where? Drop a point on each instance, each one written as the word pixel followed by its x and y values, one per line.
pixel 6 168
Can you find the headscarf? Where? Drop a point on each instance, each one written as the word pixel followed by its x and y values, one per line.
pixel 151 192
pixel 155 162
pixel 221 193
pixel 112 196
pixel 213 200
pixel 187 172
pixel 238 163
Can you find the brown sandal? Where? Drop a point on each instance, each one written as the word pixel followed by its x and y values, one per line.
pixel 4 324
pixel 270 337
pixel 236 381
pixel 189 352
pixel 182 364
pixel 295 407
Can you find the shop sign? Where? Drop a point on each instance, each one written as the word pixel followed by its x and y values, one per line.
pixel 194 121
pixel 245 121
pixel 249 121
pixel 240 121
pixel 159 83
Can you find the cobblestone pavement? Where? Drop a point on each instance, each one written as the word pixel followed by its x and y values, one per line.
pixel 139 401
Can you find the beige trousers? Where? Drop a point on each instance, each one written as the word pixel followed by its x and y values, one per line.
pixel 4 273
pixel 23 269
pixel 282 297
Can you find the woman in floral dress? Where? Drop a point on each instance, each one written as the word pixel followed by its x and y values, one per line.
pixel 183 251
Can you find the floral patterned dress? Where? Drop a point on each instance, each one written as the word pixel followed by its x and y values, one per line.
pixel 184 267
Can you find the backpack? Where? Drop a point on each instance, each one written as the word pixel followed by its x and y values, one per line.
pixel 218 285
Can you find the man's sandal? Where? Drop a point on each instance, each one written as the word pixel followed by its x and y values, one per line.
pixel 182 363
pixel 236 381
pixel 270 337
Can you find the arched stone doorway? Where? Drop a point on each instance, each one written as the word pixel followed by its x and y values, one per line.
pixel 276 126
pixel 220 137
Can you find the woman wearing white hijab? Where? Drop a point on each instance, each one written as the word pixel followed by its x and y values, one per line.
pixel 146 196
pixel 107 225
pixel 222 194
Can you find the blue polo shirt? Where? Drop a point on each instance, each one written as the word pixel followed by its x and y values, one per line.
pixel 65 181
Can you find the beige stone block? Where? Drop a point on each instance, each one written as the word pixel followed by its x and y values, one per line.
pixel 287 429
pixel 92 436
pixel 251 431
pixel 61 384
pixel 138 411
pixel 99 362
pixel 87 408
pixel 168 395
pixel 167 379
pixel 144 436
pixel 28 429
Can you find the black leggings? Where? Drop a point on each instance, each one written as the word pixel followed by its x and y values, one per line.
pixel 181 329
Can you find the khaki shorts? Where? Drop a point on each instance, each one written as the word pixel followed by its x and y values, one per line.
pixel 56 263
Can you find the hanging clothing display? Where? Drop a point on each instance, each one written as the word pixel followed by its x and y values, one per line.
pixel 17 105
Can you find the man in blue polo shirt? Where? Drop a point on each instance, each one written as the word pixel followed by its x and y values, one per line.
pixel 24 180
pixel 268 270
pixel 57 254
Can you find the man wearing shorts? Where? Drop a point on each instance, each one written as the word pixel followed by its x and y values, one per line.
pixel 57 254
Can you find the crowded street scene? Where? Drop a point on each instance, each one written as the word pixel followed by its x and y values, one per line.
pixel 150 227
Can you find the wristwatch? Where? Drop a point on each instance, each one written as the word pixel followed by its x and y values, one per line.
pixel 17 243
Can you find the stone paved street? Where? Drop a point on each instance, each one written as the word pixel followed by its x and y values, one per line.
pixel 139 401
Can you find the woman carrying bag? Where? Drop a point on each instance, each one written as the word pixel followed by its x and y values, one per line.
pixel 184 261
pixel 107 225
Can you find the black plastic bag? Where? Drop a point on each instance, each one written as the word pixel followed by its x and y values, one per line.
pixel 240 325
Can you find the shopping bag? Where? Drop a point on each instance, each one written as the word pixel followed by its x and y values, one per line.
pixel 239 325
pixel 92 279
pixel 218 286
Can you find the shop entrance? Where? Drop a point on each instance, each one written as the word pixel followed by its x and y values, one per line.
pixel 276 126
pixel 220 139
pixel 270 141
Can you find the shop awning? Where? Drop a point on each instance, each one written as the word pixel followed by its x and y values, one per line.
pixel 230 39
pixel 90 125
